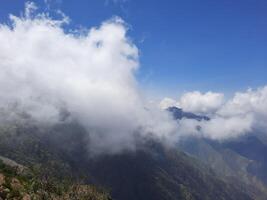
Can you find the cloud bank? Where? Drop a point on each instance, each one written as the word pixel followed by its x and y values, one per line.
pixel 244 113
pixel 196 102
pixel 49 74
pixel 90 74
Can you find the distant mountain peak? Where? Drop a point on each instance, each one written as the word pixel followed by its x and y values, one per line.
pixel 178 113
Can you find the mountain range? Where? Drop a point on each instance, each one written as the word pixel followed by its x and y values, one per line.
pixel 195 168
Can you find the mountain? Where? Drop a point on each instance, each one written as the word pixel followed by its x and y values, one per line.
pixel 243 159
pixel 38 175
pixel 27 185
pixel 256 153
pixel 153 171
pixel 178 113
pixel 158 173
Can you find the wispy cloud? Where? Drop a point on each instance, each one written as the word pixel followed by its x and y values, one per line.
pixel 107 2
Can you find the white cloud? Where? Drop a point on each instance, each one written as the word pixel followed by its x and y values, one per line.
pixel 250 103
pixel 196 102
pixel 201 103
pixel 167 102
pixel 225 128
pixel 44 69
pixel 242 114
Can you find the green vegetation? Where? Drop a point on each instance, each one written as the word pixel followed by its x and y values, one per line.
pixel 31 185
pixel 58 166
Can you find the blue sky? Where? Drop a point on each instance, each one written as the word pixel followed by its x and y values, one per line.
pixel 184 44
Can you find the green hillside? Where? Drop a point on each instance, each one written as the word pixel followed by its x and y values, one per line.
pixel 151 172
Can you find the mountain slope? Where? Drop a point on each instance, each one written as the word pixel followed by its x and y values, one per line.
pixel 151 172
pixel 158 173
pixel 242 159
pixel 26 184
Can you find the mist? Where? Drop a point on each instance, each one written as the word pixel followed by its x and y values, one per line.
pixel 88 73
pixel 244 113
pixel 51 74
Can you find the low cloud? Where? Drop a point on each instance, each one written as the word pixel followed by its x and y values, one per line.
pixel 168 102
pixel 201 103
pixel 196 102
pixel 244 113
pixel 49 74
pixel 90 74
